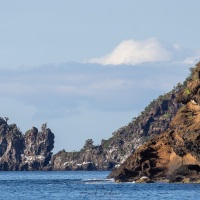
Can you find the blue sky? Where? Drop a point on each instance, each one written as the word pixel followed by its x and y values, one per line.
pixel 88 67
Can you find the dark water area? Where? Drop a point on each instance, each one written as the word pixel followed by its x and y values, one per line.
pixel 86 185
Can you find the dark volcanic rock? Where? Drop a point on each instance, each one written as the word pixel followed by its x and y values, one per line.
pixel 191 172
pixel 174 154
pixel 38 146
pixel 31 151
pixel 86 159
pixel 112 152
pixel 11 146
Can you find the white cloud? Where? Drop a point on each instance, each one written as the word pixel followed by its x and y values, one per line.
pixel 132 52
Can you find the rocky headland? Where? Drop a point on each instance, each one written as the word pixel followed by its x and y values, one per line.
pixel 111 153
pixel 174 155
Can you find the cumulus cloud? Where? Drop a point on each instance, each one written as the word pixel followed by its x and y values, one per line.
pixel 57 91
pixel 132 52
pixel 73 95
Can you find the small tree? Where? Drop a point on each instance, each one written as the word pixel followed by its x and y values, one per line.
pixel 44 127
pixel 88 144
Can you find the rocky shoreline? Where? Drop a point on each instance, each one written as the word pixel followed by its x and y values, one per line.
pixel 160 145
pixel 181 179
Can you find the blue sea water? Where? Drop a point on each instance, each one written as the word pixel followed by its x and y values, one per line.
pixel 86 185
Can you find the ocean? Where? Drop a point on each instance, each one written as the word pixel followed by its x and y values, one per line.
pixel 87 185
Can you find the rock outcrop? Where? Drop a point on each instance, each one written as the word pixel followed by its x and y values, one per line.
pixel 112 152
pixel 31 151
pixel 174 154
pixel 11 146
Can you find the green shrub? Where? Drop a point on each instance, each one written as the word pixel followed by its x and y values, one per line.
pixel 166 115
pixel 187 91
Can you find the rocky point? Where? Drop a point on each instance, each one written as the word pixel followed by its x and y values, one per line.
pixel 174 155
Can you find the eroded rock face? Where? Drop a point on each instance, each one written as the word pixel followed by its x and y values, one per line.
pixel 38 146
pixel 112 152
pixel 11 146
pixel 89 158
pixel 31 151
pixel 175 154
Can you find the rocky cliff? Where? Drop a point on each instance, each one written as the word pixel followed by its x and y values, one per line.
pixel 112 152
pixel 175 154
pixel 31 151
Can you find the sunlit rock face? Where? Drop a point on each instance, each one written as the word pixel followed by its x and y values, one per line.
pixel 38 146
